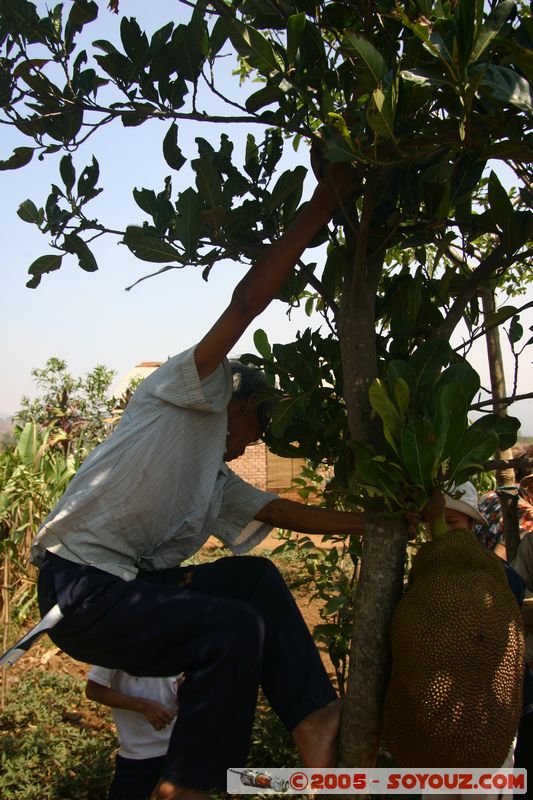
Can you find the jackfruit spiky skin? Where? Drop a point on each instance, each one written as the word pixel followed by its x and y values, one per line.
pixel 455 694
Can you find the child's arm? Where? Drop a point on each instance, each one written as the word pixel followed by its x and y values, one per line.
pixel 158 715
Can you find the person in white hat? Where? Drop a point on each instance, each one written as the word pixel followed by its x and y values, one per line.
pixel 461 507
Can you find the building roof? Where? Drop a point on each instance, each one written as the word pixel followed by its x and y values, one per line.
pixel 140 370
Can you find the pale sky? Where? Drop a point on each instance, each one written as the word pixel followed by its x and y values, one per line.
pixel 89 318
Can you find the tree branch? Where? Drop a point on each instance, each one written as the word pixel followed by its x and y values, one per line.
pixel 486 328
pixel 482 272
pixel 504 401
pixel 318 286
pixel 503 463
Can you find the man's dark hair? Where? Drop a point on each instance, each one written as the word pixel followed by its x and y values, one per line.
pixel 249 381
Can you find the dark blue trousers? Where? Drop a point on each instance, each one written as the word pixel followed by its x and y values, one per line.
pixel 231 625
pixel 135 779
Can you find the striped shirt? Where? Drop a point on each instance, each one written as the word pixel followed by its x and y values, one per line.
pixel 152 493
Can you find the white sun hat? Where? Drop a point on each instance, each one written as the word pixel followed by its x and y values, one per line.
pixel 464 498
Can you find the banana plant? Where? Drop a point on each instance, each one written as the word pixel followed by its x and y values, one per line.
pixel 33 475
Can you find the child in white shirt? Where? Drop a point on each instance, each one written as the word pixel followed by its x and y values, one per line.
pixel 144 711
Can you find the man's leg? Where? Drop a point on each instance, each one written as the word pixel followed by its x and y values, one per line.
pixel 293 676
pixel 147 629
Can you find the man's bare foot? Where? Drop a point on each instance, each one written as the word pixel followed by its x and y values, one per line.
pixel 316 736
pixel 165 790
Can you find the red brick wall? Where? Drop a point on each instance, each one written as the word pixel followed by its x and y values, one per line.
pixel 252 466
pixel 266 470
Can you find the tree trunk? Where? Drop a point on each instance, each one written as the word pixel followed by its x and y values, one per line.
pixel 380 580
pixel 504 477
pixel 378 591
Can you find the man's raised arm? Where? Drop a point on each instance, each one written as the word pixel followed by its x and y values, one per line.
pixel 268 274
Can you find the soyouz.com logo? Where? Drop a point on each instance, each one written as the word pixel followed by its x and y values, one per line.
pixel 342 780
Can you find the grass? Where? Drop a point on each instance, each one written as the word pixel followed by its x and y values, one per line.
pixel 52 750
pixel 48 750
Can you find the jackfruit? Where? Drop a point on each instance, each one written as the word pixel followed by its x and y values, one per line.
pixel 455 694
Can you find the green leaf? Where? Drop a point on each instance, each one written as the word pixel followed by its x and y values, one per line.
pixel 381 112
pixel 401 370
pixel 28 212
pixel 40 266
pixel 153 274
pixel 219 35
pixel 522 57
pixel 264 97
pixel 131 119
pixel 501 208
pixel 508 86
pixel 208 182
pixel 475 447
pixel 312 63
pixel 436 45
pixel 450 420
pixel 172 153
pixel 516 331
pixel 262 345
pixel 27 67
pixel 520 230
pixel 423 77
pixel 188 223
pixel 146 200
pixel 80 14
pixel 289 183
pixel 383 406
pixel 442 247
pixel 338 151
pixel 295 34
pixel 21 156
pixel 371 59
pixel 467 15
pixel 27 444
pixel 335 604
pixel 506 428
pixel 65 126
pixel 282 415
pixel 402 395
pixel 73 243
pixel 145 245
pixel 160 38
pixel 500 316
pixel 67 171
pixel 418 452
pixel 273 150
pixel 115 64
pixel 462 375
pixel 373 473
pixel 251 158
pixel 88 180
pixel 133 40
pixel 508 150
pixel 190 45
pixel 427 363
pixel 339 123
pixel 465 179
pixel 251 44
pixel 491 28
